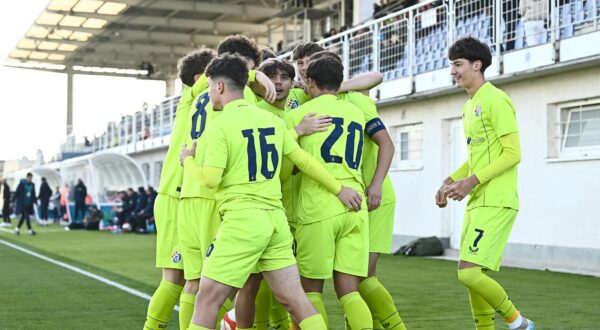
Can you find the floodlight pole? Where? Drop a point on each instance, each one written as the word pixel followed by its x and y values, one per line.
pixel 69 71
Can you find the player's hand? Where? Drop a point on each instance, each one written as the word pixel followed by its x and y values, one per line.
pixel 350 198
pixel 187 152
pixel 461 188
pixel 440 196
pixel 311 124
pixel 270 92
pixel 373 195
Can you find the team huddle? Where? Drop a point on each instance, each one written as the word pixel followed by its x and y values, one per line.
pixel 282 184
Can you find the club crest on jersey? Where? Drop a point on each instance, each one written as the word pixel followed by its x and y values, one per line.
pixel 176 257
pixel 478 110
pixel 292 104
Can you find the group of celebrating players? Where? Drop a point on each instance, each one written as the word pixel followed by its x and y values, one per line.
pixel 281 184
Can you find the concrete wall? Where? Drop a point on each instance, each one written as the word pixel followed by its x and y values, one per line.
pixel 560 200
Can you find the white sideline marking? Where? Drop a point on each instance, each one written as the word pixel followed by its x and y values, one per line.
pixel 79 270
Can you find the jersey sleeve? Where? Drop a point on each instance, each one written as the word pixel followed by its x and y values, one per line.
pixel 511 156
pixel 373 123
pixel 200 85
pixel 216 147
pixel 311 167
pixel 504 119
pixel 208 176
pixel 289 141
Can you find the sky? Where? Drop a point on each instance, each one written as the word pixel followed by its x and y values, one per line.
pixel 33 103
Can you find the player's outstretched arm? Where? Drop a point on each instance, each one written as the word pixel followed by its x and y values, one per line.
pixel 200 85
pixel 362 82
pixel 208 176
pixel 262 86
pixel 311 167
pixel 311 124
pixel 385 155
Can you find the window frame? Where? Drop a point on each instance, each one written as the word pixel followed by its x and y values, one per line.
pixel 585 152
pixel 396 132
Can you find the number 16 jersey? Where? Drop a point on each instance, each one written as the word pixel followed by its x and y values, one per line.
pixel 339 150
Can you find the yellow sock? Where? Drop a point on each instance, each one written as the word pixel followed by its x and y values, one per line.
pixel 279 317
pixel 357 312
pixel 161 305
pixel 317 300
pixel 186 309
pixel 477 281
pixel 483 313
pixel 262 307
pixel 381 304
pixel 314 322
pixel 226 307
pixel 196 327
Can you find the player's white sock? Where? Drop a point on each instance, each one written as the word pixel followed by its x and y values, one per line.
pixel 516 324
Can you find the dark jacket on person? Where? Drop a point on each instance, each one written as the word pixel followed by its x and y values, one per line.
pixel 142 201
pixel 25 194
pixel 45 193
pixel 80 193
pixel 6 193
pixel 149 209
pixel 131 202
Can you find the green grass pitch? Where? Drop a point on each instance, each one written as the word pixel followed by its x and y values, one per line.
pixel 35 294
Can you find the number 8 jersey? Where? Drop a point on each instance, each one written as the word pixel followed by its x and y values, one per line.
pixel 248 143
pixel 339 150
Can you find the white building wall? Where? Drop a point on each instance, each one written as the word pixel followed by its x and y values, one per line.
pixel 560 201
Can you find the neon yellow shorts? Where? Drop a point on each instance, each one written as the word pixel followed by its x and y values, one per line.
pixel 381 228
pixel 167 242
pixel 249 240
pixel 484 236
pixel 340 243
pixel 199 221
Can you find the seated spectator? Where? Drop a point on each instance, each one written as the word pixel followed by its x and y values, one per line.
pixel 534 14
pixel 93 219
pixel 120 212
pixel 147 213
pixel 140 207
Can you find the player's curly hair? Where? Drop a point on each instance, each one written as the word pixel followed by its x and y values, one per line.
pixel 241 45
pixel 194 63
pixel 272 65
pixel 265 53
pixel 472 50
pixel 306 49
pixel 230 67
pixel 327 72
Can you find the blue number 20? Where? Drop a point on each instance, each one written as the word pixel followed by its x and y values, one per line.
pixel 200 113
pixel 265 150
pixel 351 156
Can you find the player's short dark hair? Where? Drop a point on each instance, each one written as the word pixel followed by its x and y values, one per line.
pixel 471 49
pixel 194 63
pixel 306 49
pixel 242 45
pixel 28 174
pixel 327 72
pixel 265 53
pixel 272 65
pixel 230 66
pixel 325 53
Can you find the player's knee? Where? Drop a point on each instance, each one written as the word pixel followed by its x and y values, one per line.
pixel 469 276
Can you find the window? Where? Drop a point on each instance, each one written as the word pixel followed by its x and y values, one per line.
pixel 157 171
pixel 409 147
pixel 580 130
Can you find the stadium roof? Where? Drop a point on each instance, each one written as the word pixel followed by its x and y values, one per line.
pixel 134 35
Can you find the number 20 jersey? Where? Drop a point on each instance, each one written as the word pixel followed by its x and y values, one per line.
pixel 339 150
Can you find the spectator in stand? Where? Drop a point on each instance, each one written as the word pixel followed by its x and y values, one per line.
pixel 534 14
pixel 55 199
pixel 80 195
pixel 510 13
pixel 140 206
pixel 44 197
pixel 279 46
pixel 25 197
pixel 147 213
pixel 5 199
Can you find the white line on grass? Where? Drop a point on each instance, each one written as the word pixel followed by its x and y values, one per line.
pixel 79 270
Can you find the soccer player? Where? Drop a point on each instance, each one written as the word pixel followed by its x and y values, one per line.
pixel 489 176
pixel 243 148
pixel 378 152
pixel 168 255
pixel 267 311
pixel 331 240
pixel 198 217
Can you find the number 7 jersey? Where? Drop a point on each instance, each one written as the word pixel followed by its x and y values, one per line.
pixel 339 150
pixel 249 144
